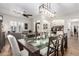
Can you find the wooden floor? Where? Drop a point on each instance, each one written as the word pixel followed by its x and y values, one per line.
pixel 6 51
pixel 73 48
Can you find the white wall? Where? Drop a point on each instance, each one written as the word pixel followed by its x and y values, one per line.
pixel 8 18
pixel 46 20
pixel 42 20
pixel 56 22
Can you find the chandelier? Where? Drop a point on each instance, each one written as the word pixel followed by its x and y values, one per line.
pixel 45 9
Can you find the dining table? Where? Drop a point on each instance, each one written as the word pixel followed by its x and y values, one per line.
pixel 33 51
pixel 34 45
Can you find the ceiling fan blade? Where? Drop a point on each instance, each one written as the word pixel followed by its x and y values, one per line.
pixel 27 15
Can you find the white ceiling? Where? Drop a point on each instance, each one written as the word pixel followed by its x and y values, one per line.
pixel 61 9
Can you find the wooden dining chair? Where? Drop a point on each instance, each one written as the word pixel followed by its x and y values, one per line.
pixel 66 41
pixel 15 48
pixel 52 46
pixel 51 49
pixel 62 44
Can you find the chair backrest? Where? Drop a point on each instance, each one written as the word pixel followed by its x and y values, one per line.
pixel 14 45
pixel 17 35
pixel 52 45
pixel 66 42
pixel 2 40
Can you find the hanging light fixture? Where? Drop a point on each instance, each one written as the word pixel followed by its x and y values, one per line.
pixel 44 9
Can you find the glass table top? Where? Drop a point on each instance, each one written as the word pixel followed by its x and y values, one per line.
pixel 40 43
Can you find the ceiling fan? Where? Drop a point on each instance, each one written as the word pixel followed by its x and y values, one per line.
pixel 26 15
pixel 23 13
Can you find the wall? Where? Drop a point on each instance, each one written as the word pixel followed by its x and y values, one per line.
pixel 46 20
pixel 31 23
pixel 69 24
pixel 8 18
pixel 56 22
pixel 42 20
